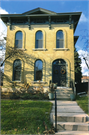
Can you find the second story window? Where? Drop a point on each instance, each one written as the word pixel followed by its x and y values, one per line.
pixel 18 39
pixel 39 39
pixel 60 39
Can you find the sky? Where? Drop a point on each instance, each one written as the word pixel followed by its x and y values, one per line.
pixel 59 6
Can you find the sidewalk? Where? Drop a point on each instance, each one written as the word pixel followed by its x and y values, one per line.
pixel 71 119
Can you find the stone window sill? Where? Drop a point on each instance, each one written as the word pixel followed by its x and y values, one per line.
pixel 15 82
pixel 60 49
pixel 39 49
pixel 20 49
pixel 37 82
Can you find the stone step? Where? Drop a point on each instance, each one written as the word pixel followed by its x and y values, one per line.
pixel 64 88
pixel 64 92
pixel 67 109
pixel 63 103
pixel 63 96
pixel 72 126
pixel 60 94
pixel 65 99
pixel 72 133
pixel 70 117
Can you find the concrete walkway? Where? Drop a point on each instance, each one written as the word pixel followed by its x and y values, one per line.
pixel 71 119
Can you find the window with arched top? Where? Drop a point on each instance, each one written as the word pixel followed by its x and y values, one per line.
pixel 17 70
pixel 39 39
pixel 18 39
pixel 38 70
pixel 60 39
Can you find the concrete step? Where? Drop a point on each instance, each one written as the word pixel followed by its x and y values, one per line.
pixel 58 94
pixel 62 89
pixel 63 103
pixel 67 88
pixel 72 126
pixel 63 96
pixel 65 99
pixel 67 109
pixel 70 117
pixel 72 133
pixel 64 92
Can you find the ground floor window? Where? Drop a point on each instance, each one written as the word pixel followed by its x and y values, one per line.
pixel 38 70
pixel 17 70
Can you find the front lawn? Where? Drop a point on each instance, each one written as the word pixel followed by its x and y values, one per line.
pixel 24 116
pixel 83 103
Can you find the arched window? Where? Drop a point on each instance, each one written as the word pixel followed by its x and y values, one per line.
pixel 18 39
pixel 17 70
pixel 60 39
pixel 38 70
pixel 39 39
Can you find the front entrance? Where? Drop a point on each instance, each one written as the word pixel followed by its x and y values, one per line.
pixel 59 72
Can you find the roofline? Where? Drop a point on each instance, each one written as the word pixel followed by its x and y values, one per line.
pixel 75 38
pixel 70 14
pixel 38 9
pixel 57 14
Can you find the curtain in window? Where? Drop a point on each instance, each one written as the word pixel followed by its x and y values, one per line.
pixel 39 39
pixel 18 39
pixel 60 39
pixel 38 70
pixel 17 70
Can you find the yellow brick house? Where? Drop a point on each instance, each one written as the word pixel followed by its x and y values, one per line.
pixel 48 40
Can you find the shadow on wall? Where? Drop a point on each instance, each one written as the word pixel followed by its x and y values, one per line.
pixel 28 71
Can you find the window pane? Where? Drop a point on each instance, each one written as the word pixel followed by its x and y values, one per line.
pixel 39 39
pixel 18 43
pixel 38 75
pixel 59 39
pixel 39 43
pixel 16 70
pixel 17 75
pixel 18 40
pixel 59 44
pixel 19 35
pixel 39 35
pixel 59 61
pixel 60 35
pixel 38 70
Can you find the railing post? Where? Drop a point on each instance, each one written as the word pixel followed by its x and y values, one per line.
pixel 55 112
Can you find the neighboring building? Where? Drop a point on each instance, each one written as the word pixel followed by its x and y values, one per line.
pixel 48 39
pixel 85 78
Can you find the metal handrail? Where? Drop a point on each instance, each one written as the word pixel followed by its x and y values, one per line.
pixel 55 112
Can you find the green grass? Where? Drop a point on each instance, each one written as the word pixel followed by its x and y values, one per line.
pixel 83 103
pixel 24 116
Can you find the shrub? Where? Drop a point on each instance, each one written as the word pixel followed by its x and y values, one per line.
pixel 25 96
pixel 14 96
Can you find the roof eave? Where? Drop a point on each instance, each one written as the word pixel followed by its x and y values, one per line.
pixel 75 39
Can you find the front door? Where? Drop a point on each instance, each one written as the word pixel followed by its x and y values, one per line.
pixel 59 72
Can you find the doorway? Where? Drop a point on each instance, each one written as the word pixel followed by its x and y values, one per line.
pixel 59 72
